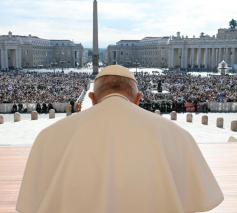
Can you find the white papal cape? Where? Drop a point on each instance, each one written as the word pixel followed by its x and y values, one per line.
pixel 116 158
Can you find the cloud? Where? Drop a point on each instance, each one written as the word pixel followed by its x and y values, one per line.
pixel 133 19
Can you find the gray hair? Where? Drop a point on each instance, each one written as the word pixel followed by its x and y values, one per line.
pixel 106 85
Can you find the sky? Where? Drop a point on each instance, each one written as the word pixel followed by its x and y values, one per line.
pixel 118 19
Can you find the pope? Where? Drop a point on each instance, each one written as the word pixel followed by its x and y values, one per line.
pixel 116 157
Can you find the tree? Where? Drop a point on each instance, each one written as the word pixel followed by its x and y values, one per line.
pixel 233 24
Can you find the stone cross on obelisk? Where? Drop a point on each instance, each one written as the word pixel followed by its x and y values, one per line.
pixel 95 57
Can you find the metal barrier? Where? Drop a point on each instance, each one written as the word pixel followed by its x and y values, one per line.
pixel 61 107
pixel 222 107
pixel 7 108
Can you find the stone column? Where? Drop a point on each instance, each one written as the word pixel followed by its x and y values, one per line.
pixel 210 58
pixel 2 61
pixel 193 57
pixel 182 57
pixel 199 57
pixel 224 54
pixel 179 52
pixel 171 57
pixel 20 55
pixel 206 58
pixel 188 56
pixel 227 55
pixel 18 58
pixel 213 58
pixel 235 54
pixel 4 58
pixel 185 58
pixel 232 56
pixel 220 58
pixel 175 57
pixel 217 55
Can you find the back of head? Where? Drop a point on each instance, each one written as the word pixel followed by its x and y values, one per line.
pixel 115 79
pixel 108 84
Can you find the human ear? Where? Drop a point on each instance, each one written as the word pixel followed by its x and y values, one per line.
pixel 138 98
pixel 93 98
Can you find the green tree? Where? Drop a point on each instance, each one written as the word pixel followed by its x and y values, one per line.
pixel 233 24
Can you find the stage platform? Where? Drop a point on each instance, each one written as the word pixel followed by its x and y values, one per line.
pixel 222 159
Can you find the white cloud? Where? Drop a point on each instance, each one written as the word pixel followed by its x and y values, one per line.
pixel 134 19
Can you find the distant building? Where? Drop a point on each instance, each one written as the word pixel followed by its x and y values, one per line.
pixel 203 53
pixel 102 55
pixel 30 51
pixel 87 56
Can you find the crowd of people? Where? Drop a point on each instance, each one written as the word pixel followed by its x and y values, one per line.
pixel 42 89
pixel 184 92
pixel 166 92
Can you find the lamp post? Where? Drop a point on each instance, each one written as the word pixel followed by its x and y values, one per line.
pixel 53 66
pixel 62 59
pixel 136 64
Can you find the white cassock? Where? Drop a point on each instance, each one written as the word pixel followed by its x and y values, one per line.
pixel 116 158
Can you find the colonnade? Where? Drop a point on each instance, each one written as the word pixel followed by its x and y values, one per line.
pixel 206 58
pixel 10 58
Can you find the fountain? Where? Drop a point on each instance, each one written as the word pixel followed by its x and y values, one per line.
pixel 223 68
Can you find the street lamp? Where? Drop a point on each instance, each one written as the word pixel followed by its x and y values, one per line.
pixel 62 59
pixel 136 65
pixel 53 65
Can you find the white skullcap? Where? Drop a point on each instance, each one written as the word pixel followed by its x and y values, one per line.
pixel 116 70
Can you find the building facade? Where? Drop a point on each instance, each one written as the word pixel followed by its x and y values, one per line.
pixel 202 53
pixel 148 52
pixel 18 52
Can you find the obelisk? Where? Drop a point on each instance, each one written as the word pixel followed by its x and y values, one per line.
pixel 95 57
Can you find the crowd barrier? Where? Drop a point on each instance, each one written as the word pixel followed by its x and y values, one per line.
pixel 222 107
pixel 7 108
pixel 61 107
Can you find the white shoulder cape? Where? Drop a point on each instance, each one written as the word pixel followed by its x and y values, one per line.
pixel 116 158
